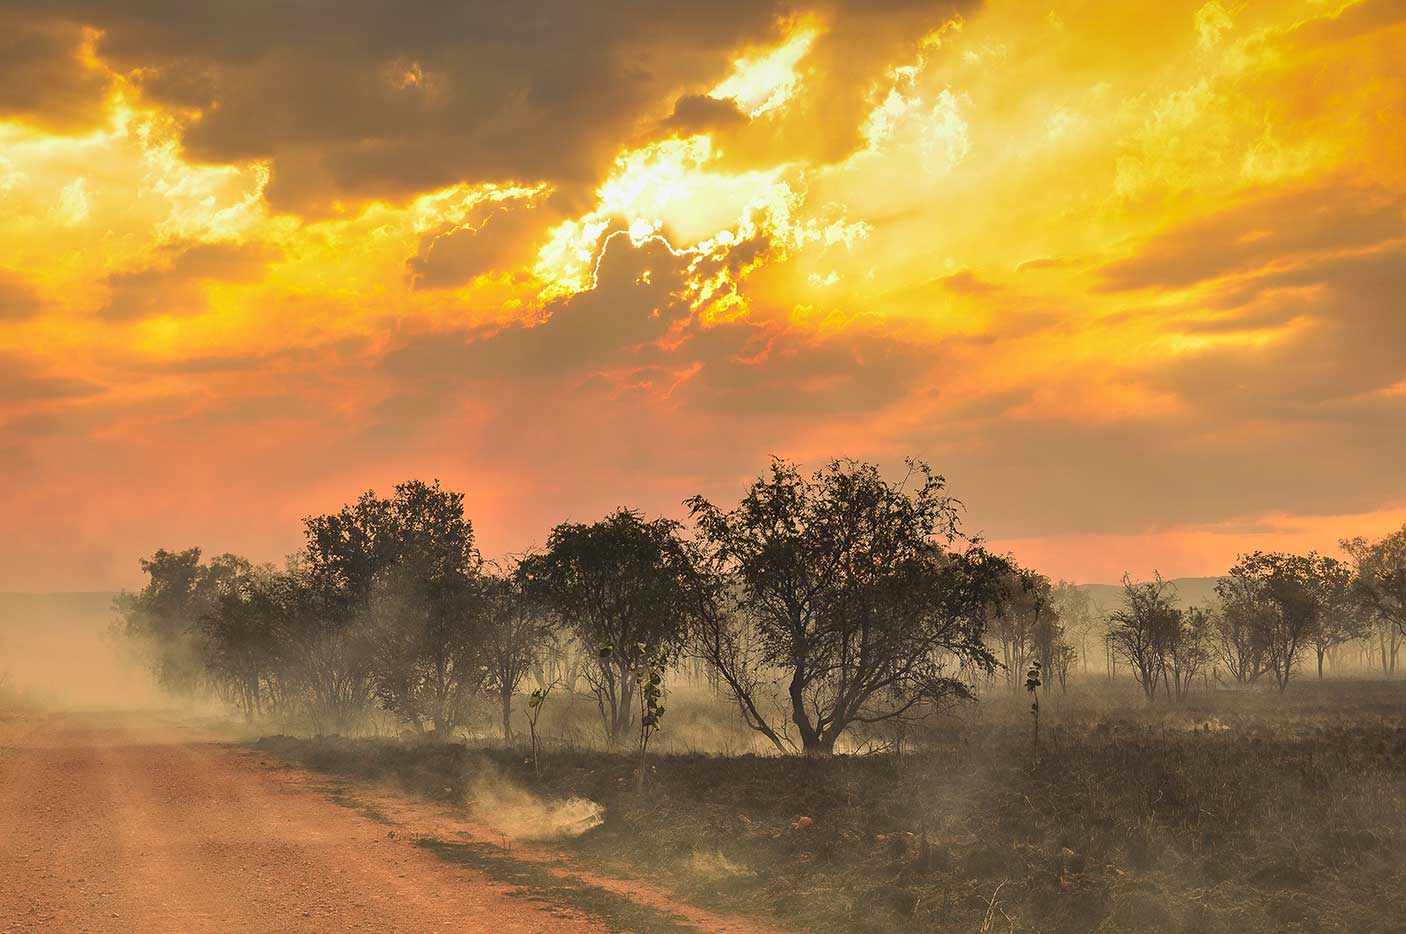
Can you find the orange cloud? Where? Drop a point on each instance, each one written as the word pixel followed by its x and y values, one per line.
pixel 618 258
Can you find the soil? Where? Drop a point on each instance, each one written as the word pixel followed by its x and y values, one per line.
pixel 121 822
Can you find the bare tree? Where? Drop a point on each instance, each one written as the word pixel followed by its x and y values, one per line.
pixel 1079 617
pixel 1145 629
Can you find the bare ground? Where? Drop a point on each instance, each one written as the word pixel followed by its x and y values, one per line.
pixel 121 822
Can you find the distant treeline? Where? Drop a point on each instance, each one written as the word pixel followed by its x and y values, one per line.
pixel 816 603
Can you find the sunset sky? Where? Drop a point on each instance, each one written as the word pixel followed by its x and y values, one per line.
pixel 1130 275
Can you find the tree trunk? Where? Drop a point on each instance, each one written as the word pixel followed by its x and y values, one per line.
pixel 812 743
pixel 506 697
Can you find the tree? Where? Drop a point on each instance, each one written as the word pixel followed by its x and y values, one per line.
pixel 1238 631
pixel 428 646
pixel 623 586
pixel 1078 615
pixel 1189 650
pixel 1380 581
pixel 165 616
pixel 1145 629
pixel 1342 617
pixel 841 593
pixel 392 602
pixel 1018 619
pixel 1287 596
pixel 242 639
pixel 515 632
pixel 330 656
pixel 1052 649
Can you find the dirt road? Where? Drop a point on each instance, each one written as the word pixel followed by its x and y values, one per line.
pixel 124 823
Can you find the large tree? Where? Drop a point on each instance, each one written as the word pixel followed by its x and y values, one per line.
pixel 393 607
pixel 624 586
pixel 841 592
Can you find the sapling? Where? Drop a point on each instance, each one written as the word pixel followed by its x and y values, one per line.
pixel 535 702
pixel 651 685
pixel 1032 685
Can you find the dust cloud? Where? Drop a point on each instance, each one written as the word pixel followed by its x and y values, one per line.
pixel 57 652
pixel 511 810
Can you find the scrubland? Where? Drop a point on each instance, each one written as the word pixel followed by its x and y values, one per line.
pixel 1234 811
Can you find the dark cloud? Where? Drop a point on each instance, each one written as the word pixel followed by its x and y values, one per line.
pixel 699 113
pixel 846 73
pixel 358 99
pixel 967 282
pixel 490 242
pixel 1351 21
pixel 616 323
pixel 371 98
pixel 635 330
pixel 20 382
pixel 17 299
pixel 42 76
pixel 1271 229
pixel 171 285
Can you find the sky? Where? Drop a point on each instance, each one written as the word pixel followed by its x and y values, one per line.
pixel 1130 276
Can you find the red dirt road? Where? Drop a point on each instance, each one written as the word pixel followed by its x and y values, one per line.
pixel 119 823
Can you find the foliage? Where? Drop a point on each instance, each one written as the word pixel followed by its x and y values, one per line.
pixel 651 692
pixel 515 632
pixel 1380 582
pixel 536 703
pixel 400 574
pixel 1238 630
pixel 840 591
pixel 1288 601
pixel 164 618
pixel 623 585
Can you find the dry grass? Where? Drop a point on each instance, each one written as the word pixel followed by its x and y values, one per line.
pixel 1233 812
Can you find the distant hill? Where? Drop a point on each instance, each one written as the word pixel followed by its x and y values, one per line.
pixel 57 648
pixel 1191 591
